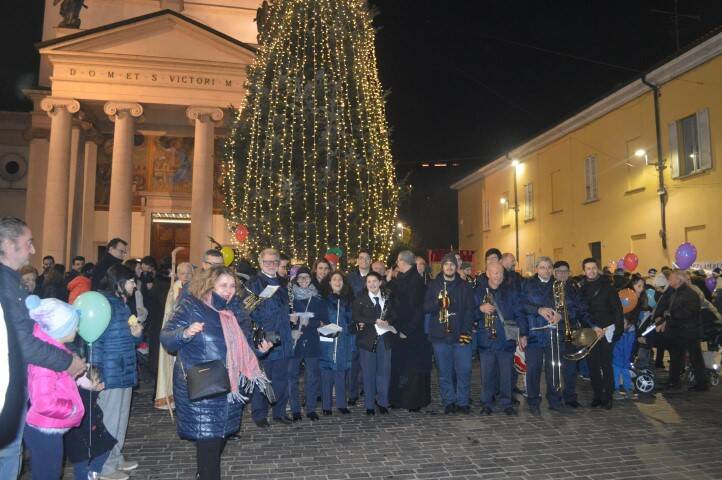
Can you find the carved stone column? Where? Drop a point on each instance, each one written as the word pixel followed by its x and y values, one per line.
pixel 55 215
pixel 120 208
pixel 202 189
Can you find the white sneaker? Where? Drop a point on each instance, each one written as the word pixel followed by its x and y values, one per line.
pixel 127 466
pixel 115 476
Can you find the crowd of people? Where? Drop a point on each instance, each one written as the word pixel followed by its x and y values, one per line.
pixel 293 337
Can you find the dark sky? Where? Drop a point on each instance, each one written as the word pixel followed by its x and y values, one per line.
pixel 468 79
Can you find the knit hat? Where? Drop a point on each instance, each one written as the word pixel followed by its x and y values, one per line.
pixel 55 317
pixel 449 258
pixel 465 265
pixel 660 281
pixel 303 269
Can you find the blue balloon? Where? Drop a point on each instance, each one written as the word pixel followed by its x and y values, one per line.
pixel 685 256
pixel 95 314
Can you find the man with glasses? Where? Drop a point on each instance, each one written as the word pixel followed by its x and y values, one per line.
pixel 115 253
pixel 212 258
pixel 272 315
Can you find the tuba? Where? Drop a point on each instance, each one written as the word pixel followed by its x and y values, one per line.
pixel 444 304
pixel 490 318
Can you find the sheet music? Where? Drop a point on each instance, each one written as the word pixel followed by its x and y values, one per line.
pixel 269 291
pixel 330 329
pixel 382 330
pixel 609 333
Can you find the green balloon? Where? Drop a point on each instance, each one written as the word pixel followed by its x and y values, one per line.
pixel 95 314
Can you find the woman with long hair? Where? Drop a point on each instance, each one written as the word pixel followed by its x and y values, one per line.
pixel 114 354
pixel 210 324
pixel 321 271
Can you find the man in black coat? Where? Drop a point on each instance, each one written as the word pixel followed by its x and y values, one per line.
pixel 115 252
pixel 605 309
pixel 16 246
pixel 679 318
pixel 411 361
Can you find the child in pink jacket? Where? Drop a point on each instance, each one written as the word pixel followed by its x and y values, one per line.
pixel 55 404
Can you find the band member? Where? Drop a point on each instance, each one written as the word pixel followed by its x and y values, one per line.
pixel 358 274
pixel 605 310
pixel 357 282
pixel 492 255
pixel 309 312
pixel 272 315
pixel 373 313
pixel 499 305
pixel 411 362
pixel 511 276
pixel 450 302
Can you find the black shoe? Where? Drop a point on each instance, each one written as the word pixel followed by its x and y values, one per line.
pixel 556 408
pixel 352 401
pixel 383 410
pixel 328 413
pixel 465 409
pixel 607 405
pixel 510 411
pixel 672 387
pixel 573 404
pixel 449 409
pixel 234 437
pixel 263 423
pixel 313 416
pixel 284 420
pixel 414 410
pixel 370 411
pixel 699 388
pixel 596 403
pixel 535 411
pixel 344 411
pixel 486 411
pixel 297 417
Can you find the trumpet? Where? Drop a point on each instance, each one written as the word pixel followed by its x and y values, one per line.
pixel 444 304
pixel 490 318
pixel 251 300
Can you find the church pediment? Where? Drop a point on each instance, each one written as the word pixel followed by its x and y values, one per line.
pixel 163 57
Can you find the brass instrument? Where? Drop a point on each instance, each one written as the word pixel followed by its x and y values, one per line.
pixel 251 300
pixel 560 305
pixel 444 304
pixel 585 338
pixel 490 318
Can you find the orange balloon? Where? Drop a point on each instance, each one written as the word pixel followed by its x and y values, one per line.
pixel 629 299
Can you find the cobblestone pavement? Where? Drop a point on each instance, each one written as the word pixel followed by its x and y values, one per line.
pixel 673 436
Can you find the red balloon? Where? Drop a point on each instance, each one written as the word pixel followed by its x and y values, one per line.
pixel 631 261
pixel 241 233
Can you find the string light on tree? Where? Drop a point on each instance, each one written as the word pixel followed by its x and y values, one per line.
pixel 308 163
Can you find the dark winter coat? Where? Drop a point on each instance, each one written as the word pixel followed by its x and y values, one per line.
pixel 407 292
pixel 114 352
pixel 537 294
pixel 35 351
pixel 307 345
pixel 513 279
pixel 605 307
pixel 364 312
pixel 684 307
pixel 273 315
pixel 336 355
pixel 509 301
pixel 90 434
pixel 462 305
pixel 102 268
pixel 211 417
pixel 356 281
pixel 13 368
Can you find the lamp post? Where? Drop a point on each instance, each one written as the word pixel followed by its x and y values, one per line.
pixel 515 164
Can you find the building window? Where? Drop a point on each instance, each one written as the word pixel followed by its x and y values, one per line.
pixel 690 145
pixel 557 191
pixel 595 251
pixel 505 208
pixel 590 178
pixel 485 215
pixel 529 260
pixel 528 201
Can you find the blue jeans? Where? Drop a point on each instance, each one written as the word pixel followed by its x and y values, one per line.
pixel 376 367
pixel 46 453
pixel 622 378
pixel 329 380
pixel 82 469
pixel 496 368
pixel 11 454
pixel 311 382
pixel 453 362
pixel 277 373
pixel 538 358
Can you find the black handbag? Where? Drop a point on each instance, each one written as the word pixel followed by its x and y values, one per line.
pixel 206 380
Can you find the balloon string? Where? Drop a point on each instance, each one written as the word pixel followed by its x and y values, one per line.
pixel 90 408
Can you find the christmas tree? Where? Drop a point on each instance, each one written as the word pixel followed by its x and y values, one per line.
pixel 308 163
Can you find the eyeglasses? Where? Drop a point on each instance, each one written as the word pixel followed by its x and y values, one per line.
pixel 213 264
pixel 558 270
pixel 270 262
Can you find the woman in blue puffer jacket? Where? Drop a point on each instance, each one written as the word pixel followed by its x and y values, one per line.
pixel 114 355
pixel 336 350
pixel 210 324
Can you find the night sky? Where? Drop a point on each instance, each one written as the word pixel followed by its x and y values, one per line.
pixel 468 80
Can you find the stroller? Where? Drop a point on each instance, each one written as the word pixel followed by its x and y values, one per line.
pixel 643 377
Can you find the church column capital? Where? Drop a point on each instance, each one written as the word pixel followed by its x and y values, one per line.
pixel 53 105
pixel 119 109
pixel 204 113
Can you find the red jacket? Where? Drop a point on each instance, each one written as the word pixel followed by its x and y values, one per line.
pixel 78 286
pixel 54 399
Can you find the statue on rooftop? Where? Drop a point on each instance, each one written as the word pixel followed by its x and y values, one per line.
pixel 70 11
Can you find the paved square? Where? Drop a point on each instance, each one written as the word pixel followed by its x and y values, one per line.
pixel 668 437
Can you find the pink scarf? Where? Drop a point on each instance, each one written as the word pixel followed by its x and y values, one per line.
pixel 241 360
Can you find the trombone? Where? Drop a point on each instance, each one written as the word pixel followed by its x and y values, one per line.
pixel 556 359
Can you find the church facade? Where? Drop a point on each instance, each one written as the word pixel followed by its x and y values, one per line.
pixel 128 122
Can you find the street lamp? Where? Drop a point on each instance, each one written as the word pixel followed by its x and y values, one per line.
pixel 642 153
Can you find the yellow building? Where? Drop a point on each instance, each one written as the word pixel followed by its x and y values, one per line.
pixel 590 185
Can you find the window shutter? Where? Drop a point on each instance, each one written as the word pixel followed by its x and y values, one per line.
pixel 673 149
pixel 593 161
pixel 704 141
pixel 529 201
pixel 590 172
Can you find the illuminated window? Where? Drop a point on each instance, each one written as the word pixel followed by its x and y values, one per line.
pixel 690 145
pixel 528 201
